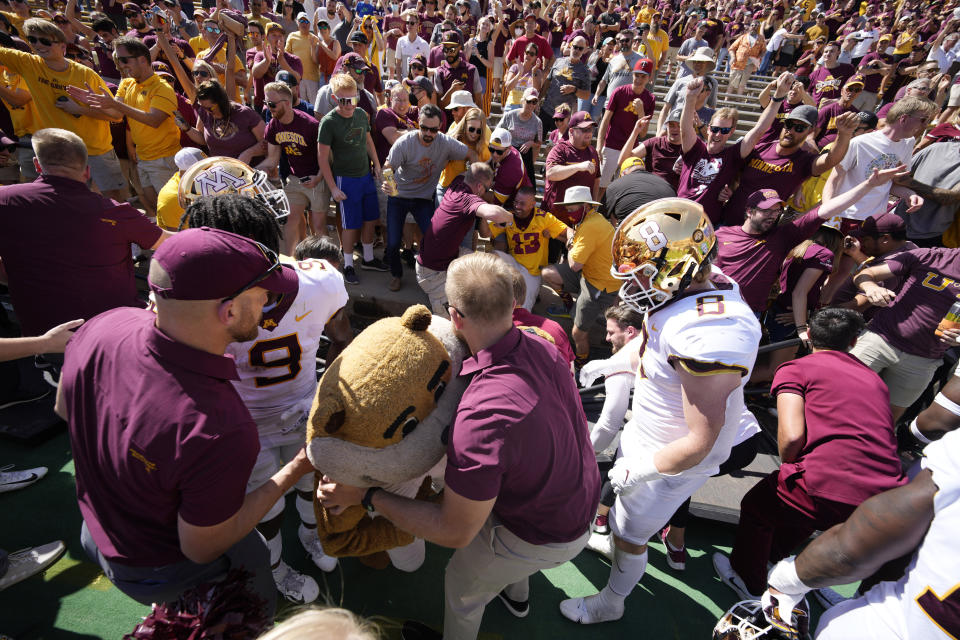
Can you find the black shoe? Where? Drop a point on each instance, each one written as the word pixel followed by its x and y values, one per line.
pixel 350 275
pixel 519 609
pixel 407 256
pixel 374 265
pixel 413 630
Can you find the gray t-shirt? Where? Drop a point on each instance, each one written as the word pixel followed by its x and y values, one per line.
pixel 688 48
pixel 522 131
pixel 417 167
pixel 565 71
pixel 677 94
pixel 936 166
pixel 620 71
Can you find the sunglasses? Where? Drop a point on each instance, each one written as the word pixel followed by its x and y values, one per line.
pixel 474 129
pixel 532 52
pixel 722 130
pixel 797 127
pixel 123 59
pixel 447 306
pixel 416 66
pixel 274 105
pixel 453 49
pixel 412 23
pixel 303 21
pixel 274 266
pixel 47 42
pixel 212 29
pixel 624 40
pixel 578 48
pixel 532 101
pixel 427 129
pixel 201 74
pixel 350 100
pixel 494 150
pixel 559 118
pixel 854 88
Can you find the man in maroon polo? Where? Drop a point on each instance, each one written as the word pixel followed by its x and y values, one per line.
pixel 572 162
pixel 162 443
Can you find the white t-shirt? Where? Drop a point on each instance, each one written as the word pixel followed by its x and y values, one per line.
pixel 866 153
pixel 863 45
pixel 776 40
pixel 943 58
pixel 321 14
pixel 407 49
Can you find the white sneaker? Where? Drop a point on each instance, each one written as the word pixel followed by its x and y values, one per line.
pixel 311 543
pixel 589 610
pixel 602 544
pixel 13 480
pixel 726 573
pixel 28 562
pixel 295 586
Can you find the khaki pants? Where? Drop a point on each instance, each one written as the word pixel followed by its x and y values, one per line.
pixel 433 284
pixel 495 560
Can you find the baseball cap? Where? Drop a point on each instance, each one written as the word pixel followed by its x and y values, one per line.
pixel 132 6
pixel 322 23
pixel 762 199
pixel 856 79
pixel 632 161
pixel 878 225
pixel 500 138
pixel 643 26
pixel 609 40
pixel 805 113
pixel 643 65
pixel 359 36
pixel 422 82
pixel 675 115
pixel 531 93
pixel 286 78
pixel 452 37
pixel 868 119
pixel 190 256
pixel 354 60
pixel 187 157
pixel 5 141
pixel 303 16
pixel 273 26
pixel 530 16
pixel 581 120
pixel 558 114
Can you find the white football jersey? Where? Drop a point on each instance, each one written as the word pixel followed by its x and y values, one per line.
pixel 706 332
pixel 278 370
pixel 925 602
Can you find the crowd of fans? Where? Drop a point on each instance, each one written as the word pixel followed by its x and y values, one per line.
pixel 821 140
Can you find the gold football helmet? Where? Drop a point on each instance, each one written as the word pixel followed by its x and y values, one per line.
pixel 220 175
pixel 746 621
pixel 658 249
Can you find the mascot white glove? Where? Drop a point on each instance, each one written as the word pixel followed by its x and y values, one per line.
pixel 627 473
pixel 779 608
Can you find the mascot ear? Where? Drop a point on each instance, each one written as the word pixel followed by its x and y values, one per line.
pixel 327 416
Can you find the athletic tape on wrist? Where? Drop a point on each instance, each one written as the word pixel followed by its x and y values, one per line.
pixel 915 430
pixel 783 577
pixel 947 404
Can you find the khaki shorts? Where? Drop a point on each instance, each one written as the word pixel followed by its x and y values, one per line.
pixel 433 284
pixel 608 166
pixel 105 171
pixel 156 173
pixel 906 375
pixel 954 99
pixel 738 79
pixel 498 67
pixel 591 301
pixel 316 199
pixel 391 61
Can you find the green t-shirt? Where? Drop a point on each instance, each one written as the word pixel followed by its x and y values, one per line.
pixel 347 139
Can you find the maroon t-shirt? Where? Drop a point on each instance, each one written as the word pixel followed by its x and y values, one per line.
pixel 385 119
pixel 826 83
pixel 815 257
pixel 848 291
pixel 524 318
pixel 850 451
pixel 663 159
pixel 705 174
pixel 565 153
pixel 509 177
pixel 872 81
pixel 66 251
pixel 427 23
pixel 520 436
pixel 232 136
pixel 266 78
pixel 157 431
pixel 544 51
pixel 827 121
pixel 753 262
pixel 394 22
pixel 932 284
pixel 298 140
pixel 448 226
pixel 624 116
pixel 767 169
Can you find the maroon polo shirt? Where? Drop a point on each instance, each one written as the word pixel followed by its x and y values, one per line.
pixel 157 430
pixel 520 436
pixel 850 452
pixel 449 225
pixel 562 154
pixel 66 251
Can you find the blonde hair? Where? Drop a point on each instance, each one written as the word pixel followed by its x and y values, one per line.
pixel 911 106
pixel 725 113
pixel 279 87
pixel 41 27
pixel 205 66
pixel 481 286
pixel 59 148
pixel 325 624
pixel 825 237
pixel 342 82
pixel 459 129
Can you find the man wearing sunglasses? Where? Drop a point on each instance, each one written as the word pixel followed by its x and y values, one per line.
pixel 136 21
pixel 270 61
pixel 456 74
pixel 567 80
pixel 507 162
pixel 410 45
pixel 530 36
pixel 47 74
pixel 571 162
pixel 619 70
pixel 303 45
pixel 154 540
pixel 417 159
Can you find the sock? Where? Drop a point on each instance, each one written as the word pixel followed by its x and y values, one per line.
pixel 519 591
pixel 625 572
pixel 305 508
pixel 347 259
pixel 367 252
pixel 275 546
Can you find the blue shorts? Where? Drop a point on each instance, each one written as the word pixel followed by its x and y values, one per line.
pixel 361 204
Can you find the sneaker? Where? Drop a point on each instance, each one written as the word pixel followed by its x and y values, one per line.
pixel 350 275
pixel 295 586
pixel 13 480
pixel 374 265
pixel 676 558
pixel 395 284
pixel 589 610
pixel 29 562
pixel 311 543
pixel 558 311
pixel 23 397
pixel 407 256
pixel 602 544
pixel 601 525
pixel 721 564
pixel 828 598
pixel 517 608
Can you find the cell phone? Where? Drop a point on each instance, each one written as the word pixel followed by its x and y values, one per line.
pixel 305 179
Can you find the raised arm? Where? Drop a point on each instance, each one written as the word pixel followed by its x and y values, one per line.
pixel 688 130
pixel 784 82
pixel 840 203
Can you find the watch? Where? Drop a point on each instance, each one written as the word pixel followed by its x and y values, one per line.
pixel 367 501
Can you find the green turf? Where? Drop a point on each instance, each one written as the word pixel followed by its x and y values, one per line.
pixel 74 600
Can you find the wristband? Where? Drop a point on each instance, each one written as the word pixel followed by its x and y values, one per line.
pixel 947 404
pixel 776 99
pixel 367 501
pixel 783 577
pixel 915 430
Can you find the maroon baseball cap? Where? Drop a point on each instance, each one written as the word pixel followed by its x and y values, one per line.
pixel 764 199
pixel 644 65
pixel 581 120
pixel 878 225
pixel 209 264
